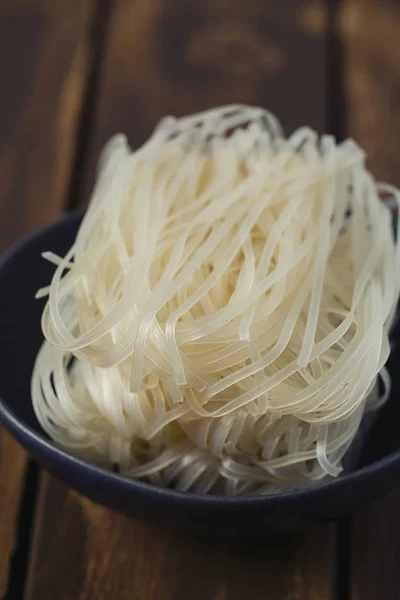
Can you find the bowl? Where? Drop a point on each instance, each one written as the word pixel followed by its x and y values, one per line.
pixel 22 272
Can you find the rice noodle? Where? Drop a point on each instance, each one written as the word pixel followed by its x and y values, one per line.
pixel 222 317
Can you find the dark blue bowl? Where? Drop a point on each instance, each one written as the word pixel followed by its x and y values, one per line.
pixel 22 272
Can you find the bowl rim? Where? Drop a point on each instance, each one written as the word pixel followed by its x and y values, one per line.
pixel 45 446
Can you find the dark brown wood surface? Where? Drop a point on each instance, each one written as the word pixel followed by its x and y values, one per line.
pixel 180 56
pixel 44 58
pixel 77 71
pixel 85 551
pixel 371 76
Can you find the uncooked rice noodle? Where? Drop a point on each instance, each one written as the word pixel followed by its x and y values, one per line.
pixel 221 319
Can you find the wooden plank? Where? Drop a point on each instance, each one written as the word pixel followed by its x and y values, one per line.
pixel 179 56
pixel 84 551
pixel 375 544
pixel 371 59
pixel 44 59
pixel 12 468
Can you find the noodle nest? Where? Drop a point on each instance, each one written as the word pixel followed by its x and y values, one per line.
pixel 222 317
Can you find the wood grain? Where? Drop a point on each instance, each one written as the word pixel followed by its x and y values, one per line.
pixel 84 551
pixel 44 58
pixel 12 469
pixel 371 55
pixel 375 544
pixel 371 59
pixel 180 56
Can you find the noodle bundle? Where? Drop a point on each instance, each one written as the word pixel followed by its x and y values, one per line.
pixel 221 319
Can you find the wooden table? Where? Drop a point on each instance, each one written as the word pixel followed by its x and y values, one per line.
pixel 72 73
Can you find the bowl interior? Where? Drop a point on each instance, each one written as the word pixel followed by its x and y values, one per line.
pixel 23 272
